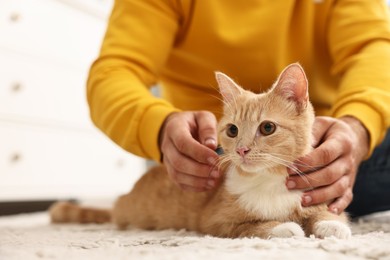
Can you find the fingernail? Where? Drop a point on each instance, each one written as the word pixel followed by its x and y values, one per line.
pixel 215 174
pixel 291 184
pixel 210 142
pixel 211 183
pixel 334 210
pixel 307 199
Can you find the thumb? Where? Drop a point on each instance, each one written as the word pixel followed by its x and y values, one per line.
pixel 207 129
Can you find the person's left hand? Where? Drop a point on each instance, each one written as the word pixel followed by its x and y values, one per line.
pixel 330 169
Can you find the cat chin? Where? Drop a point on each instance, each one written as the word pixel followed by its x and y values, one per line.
pixel 252 168
pixel 260 167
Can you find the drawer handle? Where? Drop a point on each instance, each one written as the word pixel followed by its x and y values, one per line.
pixel 16 87
pixel 15 17
pixel 15 158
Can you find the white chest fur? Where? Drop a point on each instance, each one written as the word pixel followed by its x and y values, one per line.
pixel 264 194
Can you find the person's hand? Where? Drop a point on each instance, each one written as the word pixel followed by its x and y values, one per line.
pixel 187 143
pixel 330 169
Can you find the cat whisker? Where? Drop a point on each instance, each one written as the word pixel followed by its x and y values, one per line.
pixel 298 163
pixel 289 164
pixel 310 167
pixel 268 160
pixel 223 160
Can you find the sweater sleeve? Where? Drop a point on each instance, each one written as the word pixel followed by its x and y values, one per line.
pixel 139 37
pixel 359 43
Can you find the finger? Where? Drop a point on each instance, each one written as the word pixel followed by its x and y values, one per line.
pixel 320 127
pixel 178 163
pixel 322 177
pixel 327 193
pixel 207 129
pixel 191 148
pixel 340 204
pixel 320 157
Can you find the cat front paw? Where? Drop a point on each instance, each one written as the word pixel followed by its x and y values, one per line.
pixel 288 229
pixel 327 228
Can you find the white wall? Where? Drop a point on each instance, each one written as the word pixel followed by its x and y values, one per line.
pixel 49 148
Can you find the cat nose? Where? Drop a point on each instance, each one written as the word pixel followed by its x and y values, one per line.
pixel 243 150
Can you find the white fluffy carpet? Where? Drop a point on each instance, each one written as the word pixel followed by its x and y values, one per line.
pixel 31 236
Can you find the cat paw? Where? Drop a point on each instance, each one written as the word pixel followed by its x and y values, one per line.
pixel 327 228
pixel 289 229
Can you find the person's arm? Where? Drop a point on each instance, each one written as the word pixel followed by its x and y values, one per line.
pixel 138 40
pixel 359 44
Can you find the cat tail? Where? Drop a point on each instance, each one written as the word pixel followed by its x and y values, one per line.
pixel 68 212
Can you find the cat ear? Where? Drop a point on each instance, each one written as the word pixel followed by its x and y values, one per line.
pixel 292 84
pixel 227 87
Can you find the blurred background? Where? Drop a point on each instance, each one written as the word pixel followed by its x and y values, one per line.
pixel 49 149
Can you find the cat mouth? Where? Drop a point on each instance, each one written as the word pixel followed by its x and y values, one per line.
pixel 247 165
pixel 252 166
pixel 245 161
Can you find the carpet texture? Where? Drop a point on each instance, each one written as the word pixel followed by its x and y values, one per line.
pixel 31 236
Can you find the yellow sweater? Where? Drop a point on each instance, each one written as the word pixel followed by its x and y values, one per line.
pixel 343 45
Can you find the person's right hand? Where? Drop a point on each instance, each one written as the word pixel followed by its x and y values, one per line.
pixel 187 143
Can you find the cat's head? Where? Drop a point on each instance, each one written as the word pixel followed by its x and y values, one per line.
pixel 267 130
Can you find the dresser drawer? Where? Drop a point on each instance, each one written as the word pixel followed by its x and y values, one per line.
pixel 36 90
pixel 51 30
pixel 38 163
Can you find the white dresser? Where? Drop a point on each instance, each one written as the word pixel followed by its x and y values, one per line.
pixel 49 148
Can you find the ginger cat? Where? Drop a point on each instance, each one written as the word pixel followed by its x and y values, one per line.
pixel 261 135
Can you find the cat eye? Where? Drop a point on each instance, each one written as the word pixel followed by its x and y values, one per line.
pixel 232 131
pixel 267 128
